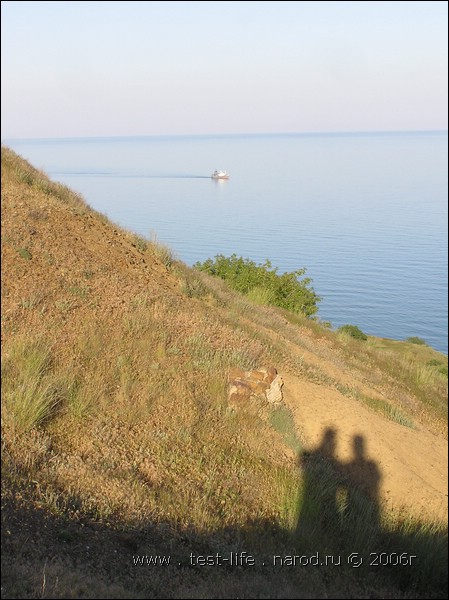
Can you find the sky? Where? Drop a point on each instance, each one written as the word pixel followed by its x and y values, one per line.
pixel 79 69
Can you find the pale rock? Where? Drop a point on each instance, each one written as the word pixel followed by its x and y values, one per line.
pixel 264 383
pixel 274 392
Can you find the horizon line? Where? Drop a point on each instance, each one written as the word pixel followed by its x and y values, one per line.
pixel 211 135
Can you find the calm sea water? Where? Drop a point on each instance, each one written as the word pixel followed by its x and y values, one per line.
pixel 366 214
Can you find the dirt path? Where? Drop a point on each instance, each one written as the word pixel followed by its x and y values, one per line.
pixel 413 463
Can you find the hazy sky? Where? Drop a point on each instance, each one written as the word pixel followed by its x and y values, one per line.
pixel 150 68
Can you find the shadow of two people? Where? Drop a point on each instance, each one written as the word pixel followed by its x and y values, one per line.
pixel 340 500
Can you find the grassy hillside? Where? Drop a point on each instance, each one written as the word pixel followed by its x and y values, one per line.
pixel 118 442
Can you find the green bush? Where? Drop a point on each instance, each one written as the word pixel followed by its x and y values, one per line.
pixel 353 331
pixel 416 340
pixel 441 368
pixel 263 283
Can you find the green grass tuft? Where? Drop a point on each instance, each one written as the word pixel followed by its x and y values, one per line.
pixel 30 393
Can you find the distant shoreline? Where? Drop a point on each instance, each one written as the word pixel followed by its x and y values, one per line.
pixel 174 136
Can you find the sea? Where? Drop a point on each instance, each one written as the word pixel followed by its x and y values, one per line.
pixel 364 213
